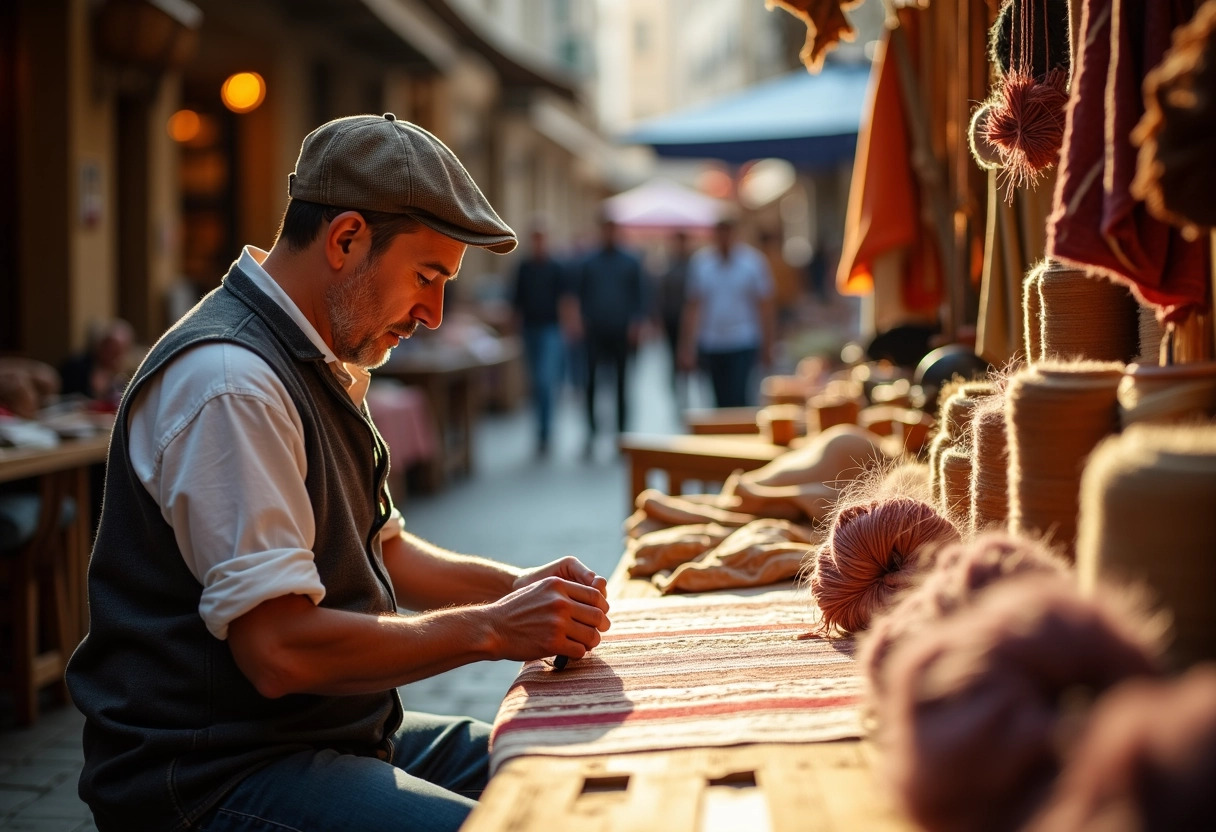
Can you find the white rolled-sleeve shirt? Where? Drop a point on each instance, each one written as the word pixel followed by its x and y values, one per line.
pixel 217 442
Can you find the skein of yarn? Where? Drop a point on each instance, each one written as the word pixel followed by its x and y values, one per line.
pixel 1148 501
pixel 989 474
pixel 1085 317
pixel 873 552
pixel 956 485
pixel 1151 335
pixel 1057 414
pixel 1032 315
pixel 1164 395
pixel 973 714
pixel 960 572
pixel 954 428
pixel 1146 761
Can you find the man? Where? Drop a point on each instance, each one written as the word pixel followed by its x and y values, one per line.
pixel 609 289
pixel 539 283
pixel 245 645
pixel 672 289
pixel 729 315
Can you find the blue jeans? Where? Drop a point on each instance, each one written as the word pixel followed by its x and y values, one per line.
pixel 439 767
pixel 543 346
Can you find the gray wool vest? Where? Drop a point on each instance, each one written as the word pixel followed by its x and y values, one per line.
pixel 171 722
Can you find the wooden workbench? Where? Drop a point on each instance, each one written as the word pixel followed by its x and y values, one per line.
pixel 769 787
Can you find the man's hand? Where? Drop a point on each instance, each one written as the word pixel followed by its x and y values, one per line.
pixel 570 568
pixel 558 609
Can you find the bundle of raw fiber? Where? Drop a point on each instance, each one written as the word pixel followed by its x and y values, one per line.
pixel 874 551
pixel 1151 335
pixel 1148 500
pixel 1175 168
pixel 1032 320
pixel 1164 395
pixel 976 705
pixel 989 475
pixel 960 572
pixel 955 498
pixel 1057 413
pixel 1084 317
pixel 1146 762
pixel 954 426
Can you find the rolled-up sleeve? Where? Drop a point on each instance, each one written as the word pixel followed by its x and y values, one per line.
pixel 227 465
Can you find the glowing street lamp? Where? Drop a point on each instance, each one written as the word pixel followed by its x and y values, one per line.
pixel 243 92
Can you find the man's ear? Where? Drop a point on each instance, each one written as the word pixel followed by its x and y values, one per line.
pixel 347 234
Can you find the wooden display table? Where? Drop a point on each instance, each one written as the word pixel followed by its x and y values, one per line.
pixel 704 458
pixel 759 787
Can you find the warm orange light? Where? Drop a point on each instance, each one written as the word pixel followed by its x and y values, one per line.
pixel 184 125
pixel 243 92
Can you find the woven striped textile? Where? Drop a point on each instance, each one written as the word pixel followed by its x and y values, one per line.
pixel 682 672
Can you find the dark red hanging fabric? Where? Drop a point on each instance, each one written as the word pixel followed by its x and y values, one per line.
pixel 1096 223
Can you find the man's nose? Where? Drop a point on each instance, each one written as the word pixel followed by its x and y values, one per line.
pixel 430 310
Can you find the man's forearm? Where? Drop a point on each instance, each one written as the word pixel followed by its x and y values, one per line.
pixel 426 576
pixel 288 645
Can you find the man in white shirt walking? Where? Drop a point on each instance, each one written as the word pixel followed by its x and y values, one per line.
pixel 245 643
pixel 729 315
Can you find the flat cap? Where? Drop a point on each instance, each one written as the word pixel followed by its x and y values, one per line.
pixel 381 163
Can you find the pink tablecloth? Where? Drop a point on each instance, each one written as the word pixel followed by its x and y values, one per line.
pixel 406 422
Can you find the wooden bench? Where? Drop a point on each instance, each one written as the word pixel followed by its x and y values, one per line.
pixel 762 787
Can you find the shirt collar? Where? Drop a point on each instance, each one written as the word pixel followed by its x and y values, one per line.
pixel 353 378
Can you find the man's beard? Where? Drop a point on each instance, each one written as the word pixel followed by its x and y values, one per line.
pixel 352 306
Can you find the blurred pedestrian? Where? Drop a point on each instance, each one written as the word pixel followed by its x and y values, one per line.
pixel 539 283
pixel 670 291
pixel 610 292
pixel 728 316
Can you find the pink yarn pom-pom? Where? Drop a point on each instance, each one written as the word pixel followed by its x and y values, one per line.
pixel 873 552
pixel 1026 125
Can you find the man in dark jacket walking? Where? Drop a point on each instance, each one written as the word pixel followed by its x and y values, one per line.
pixel 609 287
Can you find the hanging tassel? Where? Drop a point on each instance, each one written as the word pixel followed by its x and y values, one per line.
pixel 1026 125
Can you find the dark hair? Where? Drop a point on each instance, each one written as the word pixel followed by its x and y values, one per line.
pixel 302 222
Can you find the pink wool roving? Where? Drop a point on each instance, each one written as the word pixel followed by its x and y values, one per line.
pixel 874 551
pixel 1146 762
pixel 977 704
pixel 960 572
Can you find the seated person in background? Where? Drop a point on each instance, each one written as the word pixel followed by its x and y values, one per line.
pixel 101 372
pixel 26 386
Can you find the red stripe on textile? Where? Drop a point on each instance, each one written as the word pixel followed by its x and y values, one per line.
pixel 711 631
pixel 523 721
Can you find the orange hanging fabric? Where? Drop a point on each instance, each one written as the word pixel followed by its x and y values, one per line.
pixel 884 200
